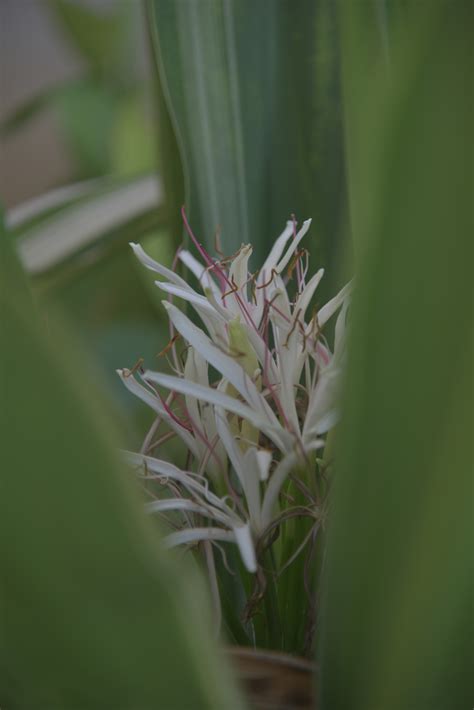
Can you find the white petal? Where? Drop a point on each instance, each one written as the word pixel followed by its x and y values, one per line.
pixel 167 470
pixel 156 267
pixel 240 535
pixel 239 269
pixel 340 333
pixel 205 394
pixel 245 467
pixel 243 539
pixel 231 445
pixel 210 316
pixel 293 246
pixel 196 534
pixel 200 272
pixel 324 424
pixel 188 294
pixel 275 432
pixel 229 368
pixel 323 401
pixel 275 253
pixel 307 294
pixel 325 313
pixel 264 459
pixel 160 506
pixel 152 401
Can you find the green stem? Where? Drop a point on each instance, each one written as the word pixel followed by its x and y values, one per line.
pixel 270 601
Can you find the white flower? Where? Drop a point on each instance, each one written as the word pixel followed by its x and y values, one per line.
pixel 276 395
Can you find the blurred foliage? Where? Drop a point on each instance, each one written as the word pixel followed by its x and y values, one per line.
pixel 104 111
pixel 398 614
pixel 253 94
pixel 102 37
pixel 94 614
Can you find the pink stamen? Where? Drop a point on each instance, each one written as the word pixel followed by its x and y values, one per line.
pixel 221 275
pixel 201 435
pixel 270 303
pixel 208 260
pixel 173 415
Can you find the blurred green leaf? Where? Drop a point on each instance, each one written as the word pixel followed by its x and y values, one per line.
pixel 87 113
pixel 397 619
pixel 132 143
pixel 27 111
pixel 75 244
pixel 95 615
pixel 33 211
pixel 253 93
pixel 58 228
pixel 11 272
pixel 99 36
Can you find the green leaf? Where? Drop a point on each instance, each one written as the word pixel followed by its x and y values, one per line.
pixel 252 90
pixel 99 36
pixel 87 114
pixel 63 224
pixel 132 144
pixel 397 617
pixel 27 111
pixel 12 276
pixel 95 614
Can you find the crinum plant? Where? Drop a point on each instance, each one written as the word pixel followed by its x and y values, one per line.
pixel 253 396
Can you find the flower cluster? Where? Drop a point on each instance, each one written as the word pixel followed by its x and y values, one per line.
pixel 273 401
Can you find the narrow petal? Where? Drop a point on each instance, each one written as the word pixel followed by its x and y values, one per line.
pixel 188 294
pixel 323 401
pixel 153 265
pixel 244 466
pixel 264 459
pixel 307 294
pixel 187 479
pixel 199 270
pixel 221 361
pixel 244 541
pixel 152 401
pixel 275 254
pixel 240 535
pixel 188 535
pixel 275 432
pixel 325 313
pixel 239 269
pixel 161 506
pixel 293 246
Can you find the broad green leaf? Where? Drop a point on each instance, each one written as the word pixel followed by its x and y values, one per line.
pixel 397 619
pixel 94 613
pixel 253 94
